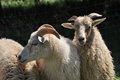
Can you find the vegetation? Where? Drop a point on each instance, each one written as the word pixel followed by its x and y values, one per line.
pixel 29 3
pixel 117 78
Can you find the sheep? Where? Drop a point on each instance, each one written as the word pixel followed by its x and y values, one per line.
pixel 56 56
pixel 10 68
pixel 96 60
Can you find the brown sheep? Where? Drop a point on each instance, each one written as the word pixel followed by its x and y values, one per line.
pixel 96 60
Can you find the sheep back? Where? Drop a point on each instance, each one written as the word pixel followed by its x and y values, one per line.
pixel 10 68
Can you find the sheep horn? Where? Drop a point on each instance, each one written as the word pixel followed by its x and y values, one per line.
pixel 45 30
pixel 47 26
pixel 73 18
pixel 94 15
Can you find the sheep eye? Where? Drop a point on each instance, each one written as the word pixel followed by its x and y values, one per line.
pixel 34 44
pixel 72 23
pixel 87 29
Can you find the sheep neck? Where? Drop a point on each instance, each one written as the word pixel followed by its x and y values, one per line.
pixel 55 61
pixel 57 64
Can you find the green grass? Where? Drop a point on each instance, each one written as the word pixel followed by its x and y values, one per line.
pixel 25 4
pixel 29 3
pixel 117 78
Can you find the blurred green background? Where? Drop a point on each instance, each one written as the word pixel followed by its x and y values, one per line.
pixel 19 18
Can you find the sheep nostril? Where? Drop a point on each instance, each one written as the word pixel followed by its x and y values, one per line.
pixel 81 38
pixel 19 57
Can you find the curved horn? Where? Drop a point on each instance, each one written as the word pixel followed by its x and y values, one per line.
pixel 94 15
pixel 73 18
pixel 45 26
pixel 45 30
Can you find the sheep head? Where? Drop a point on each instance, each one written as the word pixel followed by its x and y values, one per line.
pixel 38 45
pixel 83 26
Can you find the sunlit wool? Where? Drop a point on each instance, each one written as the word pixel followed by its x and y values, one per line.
pixel 10 68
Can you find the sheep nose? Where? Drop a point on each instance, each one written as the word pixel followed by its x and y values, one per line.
pixel 81 38
pixel 19 57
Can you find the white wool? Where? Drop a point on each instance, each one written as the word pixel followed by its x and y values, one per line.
pixel 64 63
pixel 57 59
pixel 10 68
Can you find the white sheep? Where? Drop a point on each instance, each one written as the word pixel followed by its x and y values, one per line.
pixel 10 68
pixel 56 56
pixel 96 60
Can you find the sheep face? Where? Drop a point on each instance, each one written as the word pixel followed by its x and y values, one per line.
pixel 37 48
pixel 83 26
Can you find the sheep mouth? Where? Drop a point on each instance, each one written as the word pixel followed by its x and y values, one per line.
pixel 23 61
pixel 82 42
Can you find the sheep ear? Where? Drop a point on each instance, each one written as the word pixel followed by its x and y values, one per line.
pixel 98 21
pixel 68 25
pixel 42 39
pixel 73 18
